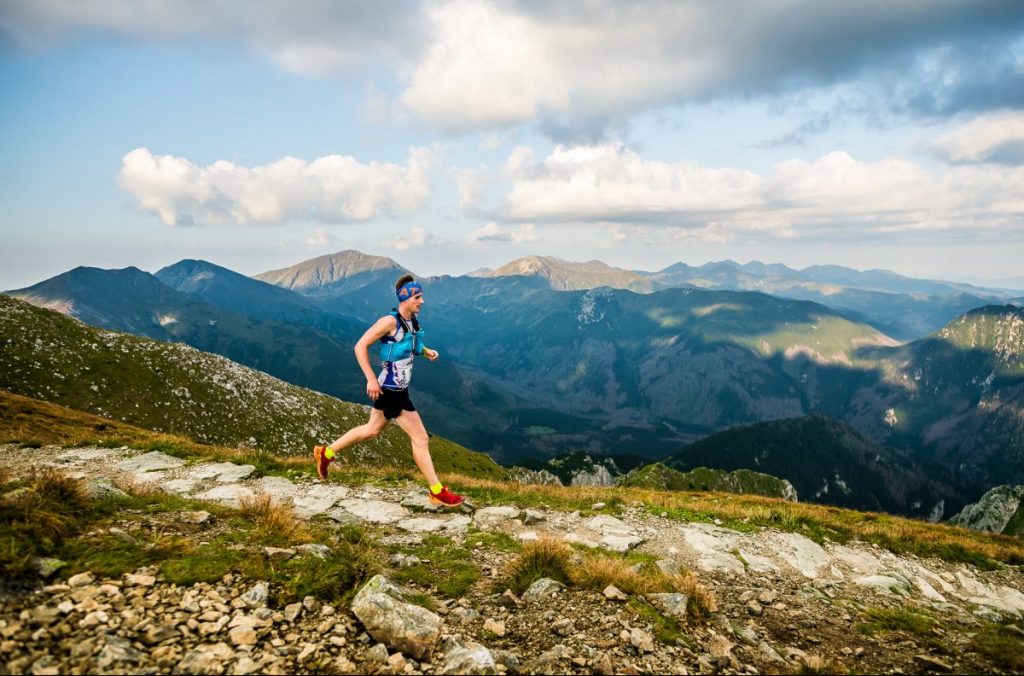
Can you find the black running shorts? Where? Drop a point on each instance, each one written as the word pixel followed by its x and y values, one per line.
pixel 393 402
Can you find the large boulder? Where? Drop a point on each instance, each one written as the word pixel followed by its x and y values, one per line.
pixel 380 605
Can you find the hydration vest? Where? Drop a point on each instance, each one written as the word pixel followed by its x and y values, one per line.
pixel 394 348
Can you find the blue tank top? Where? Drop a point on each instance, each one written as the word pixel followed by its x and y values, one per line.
pixel 397 352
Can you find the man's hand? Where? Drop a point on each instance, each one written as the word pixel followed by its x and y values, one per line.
pixel 372 389
pixel 431 355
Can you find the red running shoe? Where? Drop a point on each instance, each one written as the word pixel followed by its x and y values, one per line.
pixel 446 498
pixel 321 460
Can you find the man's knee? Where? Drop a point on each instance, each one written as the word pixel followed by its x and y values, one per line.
pixel 373 431
pixel 419 441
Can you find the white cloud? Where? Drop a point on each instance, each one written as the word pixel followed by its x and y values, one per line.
pixel 331 189
pixel 486 64
pixel 997 137
pixel 835 194
pixel 492 232
pixel 320 239
pixel 416 237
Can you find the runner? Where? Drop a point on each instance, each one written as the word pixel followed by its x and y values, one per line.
pixel 400 340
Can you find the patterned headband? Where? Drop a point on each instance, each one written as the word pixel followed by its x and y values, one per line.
pixel 408 290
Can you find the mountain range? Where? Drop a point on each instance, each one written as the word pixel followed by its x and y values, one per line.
pixel 543 357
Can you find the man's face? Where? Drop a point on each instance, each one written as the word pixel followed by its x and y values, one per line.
pixel 415 303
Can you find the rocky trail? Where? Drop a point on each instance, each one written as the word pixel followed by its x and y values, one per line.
pixel 784 601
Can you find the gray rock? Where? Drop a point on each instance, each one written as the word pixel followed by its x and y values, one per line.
pixel 641 640
pixel 388 618
pixel 532 516
pixel 257 595
pixel 489 516
pixel 374 511
pixel 466 658
pixel 620 543
pixel 896 584
pixel 81 580
pixel 541 589
pixel 228 494
pixel 400 560
pixel 314 549
pixel 222 472
pixel 563 626
pixel 318 498
pixel 195 518
pixel 208 658
pixel 154 461
pixel 158 633
pixel 99 488
pixel 668 566
pixel 278 553
pixel 378 654
pixel 292 611
pixel 422 524
pixel 495 627
pixel 674 603
pixel 755 608
pixel 613 593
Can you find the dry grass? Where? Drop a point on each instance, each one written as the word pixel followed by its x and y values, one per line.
pixel 701 602
pixel 895 533
pixel 542 558
pixel 274 522
pixel 813 664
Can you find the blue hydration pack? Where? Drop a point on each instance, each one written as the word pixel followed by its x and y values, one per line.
pixel 394 348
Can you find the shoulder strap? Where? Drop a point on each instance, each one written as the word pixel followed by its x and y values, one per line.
pixel 401 321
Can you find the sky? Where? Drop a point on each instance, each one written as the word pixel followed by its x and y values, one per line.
pixel 453 135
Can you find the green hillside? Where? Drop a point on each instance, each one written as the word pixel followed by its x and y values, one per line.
pixel 657 476
pixel 173 388
pixel 829 462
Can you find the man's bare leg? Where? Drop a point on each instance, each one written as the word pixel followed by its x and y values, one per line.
pixel 374 426
pixel 412 425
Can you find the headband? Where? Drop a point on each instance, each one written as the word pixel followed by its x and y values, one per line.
pixel 408 290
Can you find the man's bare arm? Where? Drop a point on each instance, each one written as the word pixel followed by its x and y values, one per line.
pixel 381 328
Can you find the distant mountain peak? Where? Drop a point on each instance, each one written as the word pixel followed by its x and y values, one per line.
pixel 323 271
pixel 572 275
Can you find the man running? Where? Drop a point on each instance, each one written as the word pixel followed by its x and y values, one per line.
pixel 400 340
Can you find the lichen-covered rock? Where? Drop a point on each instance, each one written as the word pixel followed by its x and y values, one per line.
pixel 388 618
pixel 542 588
pixel 466 658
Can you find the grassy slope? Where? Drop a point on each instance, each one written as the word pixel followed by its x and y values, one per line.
pixel 175 389
pixel 660 477
pixel 23 419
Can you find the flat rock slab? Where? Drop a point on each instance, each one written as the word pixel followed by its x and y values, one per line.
pixel 222 472
pixel 181 486
pixel 801 553
pixel 277 487
pixel 80 455
pixel 375 511
pixel 493 515
pixel 154 461
pixel 229 494
pixel 889 583
pixel 713 546
pixel 861 563
pixel 317 498
pixel 620 543
pixel 609 525
pixel 423 524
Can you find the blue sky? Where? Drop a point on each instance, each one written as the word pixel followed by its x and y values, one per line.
pixel 459 134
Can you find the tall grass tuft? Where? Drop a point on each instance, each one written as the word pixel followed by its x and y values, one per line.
pixel 274 521
pixel 541 558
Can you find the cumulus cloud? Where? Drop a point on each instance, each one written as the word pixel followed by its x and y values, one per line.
pixel 492 232
pixel 836 194
pixel 490 64
pixel 415 238
pixel 331 189
pixel 574 68
pixel 998 137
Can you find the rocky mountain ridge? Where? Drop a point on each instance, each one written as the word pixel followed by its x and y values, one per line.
pixel 781 601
